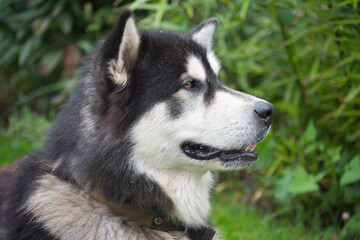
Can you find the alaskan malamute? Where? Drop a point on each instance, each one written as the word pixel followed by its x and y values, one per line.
pixel 131 153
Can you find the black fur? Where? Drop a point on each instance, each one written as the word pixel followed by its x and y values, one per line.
pixel 17 181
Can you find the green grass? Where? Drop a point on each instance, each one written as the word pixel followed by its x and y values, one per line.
pixel 235 220
pixel 232 218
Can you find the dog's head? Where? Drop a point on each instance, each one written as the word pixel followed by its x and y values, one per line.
pixel 166 91
pixel 161 91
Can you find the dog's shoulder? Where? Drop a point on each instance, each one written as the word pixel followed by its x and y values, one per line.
pixel 17 182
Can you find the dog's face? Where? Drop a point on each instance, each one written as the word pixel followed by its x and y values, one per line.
pixel 189 118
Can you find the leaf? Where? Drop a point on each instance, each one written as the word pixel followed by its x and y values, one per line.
pixel 244 9
pixel 285 16
pixel 84 45
pixel 320 176
pixel 355 90
pixel 26 50
pixel 352 171
pixel 58 8
pixel 351 192
pixel 9 54
pixel 335 154
pixel 310 132
pixel 50 61
pixel 311 148
pixel 39 26
pixel 281 187
pixel 302 182
pixel 351 230
pixel 65 22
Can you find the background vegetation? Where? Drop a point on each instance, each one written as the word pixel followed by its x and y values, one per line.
pixel 303 56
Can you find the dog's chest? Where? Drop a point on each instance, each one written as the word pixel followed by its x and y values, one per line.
pixel 67 213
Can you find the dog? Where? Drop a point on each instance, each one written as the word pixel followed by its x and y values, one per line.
pixel 131 154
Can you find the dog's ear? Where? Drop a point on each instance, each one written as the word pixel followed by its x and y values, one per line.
pixel 204 33
pixel 121 49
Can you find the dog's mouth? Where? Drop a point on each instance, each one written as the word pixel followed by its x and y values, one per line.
pixel 204 152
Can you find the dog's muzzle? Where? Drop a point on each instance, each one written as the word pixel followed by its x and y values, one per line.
pixel 204 152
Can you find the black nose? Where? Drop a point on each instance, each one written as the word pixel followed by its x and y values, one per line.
pixel 265 112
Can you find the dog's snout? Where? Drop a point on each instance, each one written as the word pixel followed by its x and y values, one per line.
pixel 264 111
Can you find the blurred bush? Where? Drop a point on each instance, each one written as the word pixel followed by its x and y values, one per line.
pixel 303 56
pixel 42 45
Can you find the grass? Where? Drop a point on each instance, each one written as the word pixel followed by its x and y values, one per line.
pixel 235 220
pixel 232 218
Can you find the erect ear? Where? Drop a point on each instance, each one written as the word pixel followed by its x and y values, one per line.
pixel 204 33
pixel 121 48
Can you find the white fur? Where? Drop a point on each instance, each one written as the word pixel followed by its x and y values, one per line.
pixel 213 61
pixel 195 68
pixel 190 192
pixel 204 36
pixel 70 214
pixel 130 43
pixel 228 123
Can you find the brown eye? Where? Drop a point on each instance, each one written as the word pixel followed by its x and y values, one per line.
pixel 188 85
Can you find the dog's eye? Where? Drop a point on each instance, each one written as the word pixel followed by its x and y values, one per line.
pixel 188 85
pixel 191 84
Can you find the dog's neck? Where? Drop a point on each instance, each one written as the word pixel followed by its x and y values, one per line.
pixel 180 195
pixel 189 191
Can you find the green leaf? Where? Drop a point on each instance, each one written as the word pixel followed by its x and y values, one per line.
pixel 302 182
pixel 65 22
pixel 285 16
pixel 320 176
pixel 335 153
pixel 354 91
pixel 58 8
pixel 351 192
pixel 310 132
pixel 30 13
pixel 351 230
pixel 26 50
pixel 9 54
pixel 352 171
pixel 50 61
pixel 39 26
pixel 281 187
pixel 244 9
pixel 311 148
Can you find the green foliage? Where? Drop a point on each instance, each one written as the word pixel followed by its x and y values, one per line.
pixel 26 133
pixel 42 43
pixel 352 171
pixel 303 56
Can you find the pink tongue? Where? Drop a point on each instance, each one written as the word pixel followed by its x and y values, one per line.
pixel 253 145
